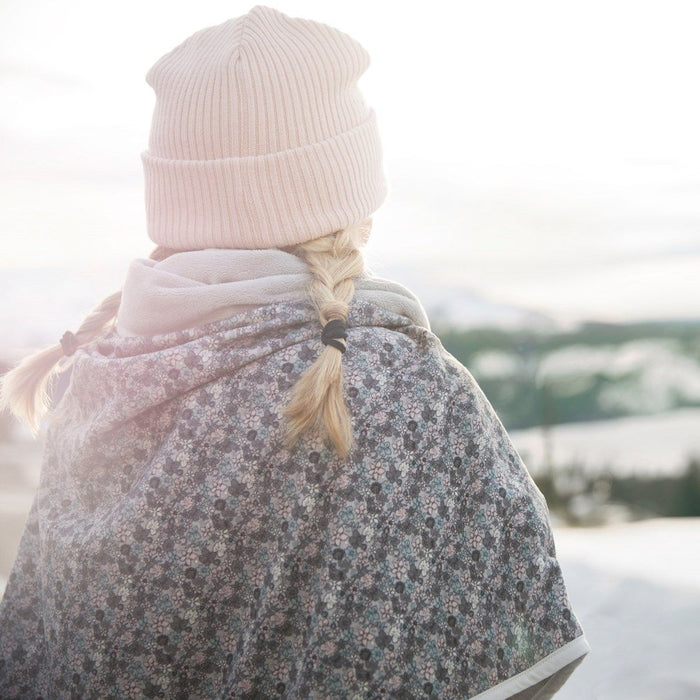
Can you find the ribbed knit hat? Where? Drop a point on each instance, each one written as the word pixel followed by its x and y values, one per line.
pixel 260 137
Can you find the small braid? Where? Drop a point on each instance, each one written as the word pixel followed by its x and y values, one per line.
pixel 317 398
pixel 23 389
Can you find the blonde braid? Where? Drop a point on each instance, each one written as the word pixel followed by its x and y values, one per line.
pixel 23 389
pixel 317 398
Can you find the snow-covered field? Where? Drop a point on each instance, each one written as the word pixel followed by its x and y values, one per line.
pixel 635 588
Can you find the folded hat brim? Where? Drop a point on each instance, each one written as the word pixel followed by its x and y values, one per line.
pixel 272 200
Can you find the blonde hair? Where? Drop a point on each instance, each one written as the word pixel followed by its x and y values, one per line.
pixel 317 398
pixel 24 389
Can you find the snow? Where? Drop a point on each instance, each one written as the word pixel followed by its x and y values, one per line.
pixel 635 588
pixel 493 364
pixel 629 549
pixel 649 444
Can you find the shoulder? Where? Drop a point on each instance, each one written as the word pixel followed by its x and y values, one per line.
pixel 408 362
pixel 402 365
pixel 406 389
pixel 404 346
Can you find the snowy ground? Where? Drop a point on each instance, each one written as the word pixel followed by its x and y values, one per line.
pixel 635 588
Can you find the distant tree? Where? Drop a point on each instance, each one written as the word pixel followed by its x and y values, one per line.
pixel 687 500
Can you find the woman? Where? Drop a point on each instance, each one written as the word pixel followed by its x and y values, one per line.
pixel 266 476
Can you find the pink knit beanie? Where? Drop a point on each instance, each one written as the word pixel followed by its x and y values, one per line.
pixel 260 137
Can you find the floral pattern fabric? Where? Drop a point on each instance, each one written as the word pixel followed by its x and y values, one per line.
pixel 176 549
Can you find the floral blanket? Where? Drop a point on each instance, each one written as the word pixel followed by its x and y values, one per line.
pixel 176 549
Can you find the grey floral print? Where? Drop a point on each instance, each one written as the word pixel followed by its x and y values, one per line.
pixel 176 549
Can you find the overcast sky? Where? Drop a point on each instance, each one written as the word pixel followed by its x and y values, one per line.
pixel 538 153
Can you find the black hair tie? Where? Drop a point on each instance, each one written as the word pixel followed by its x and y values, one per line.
pixel 333 331
pixel 69 343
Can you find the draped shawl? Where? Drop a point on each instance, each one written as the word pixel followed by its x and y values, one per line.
pixel 175 548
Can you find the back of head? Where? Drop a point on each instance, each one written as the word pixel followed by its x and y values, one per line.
pixel 260 138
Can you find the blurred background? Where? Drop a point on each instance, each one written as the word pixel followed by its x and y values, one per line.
pixel 544 170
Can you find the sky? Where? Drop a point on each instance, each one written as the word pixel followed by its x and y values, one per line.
pixel 540 156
